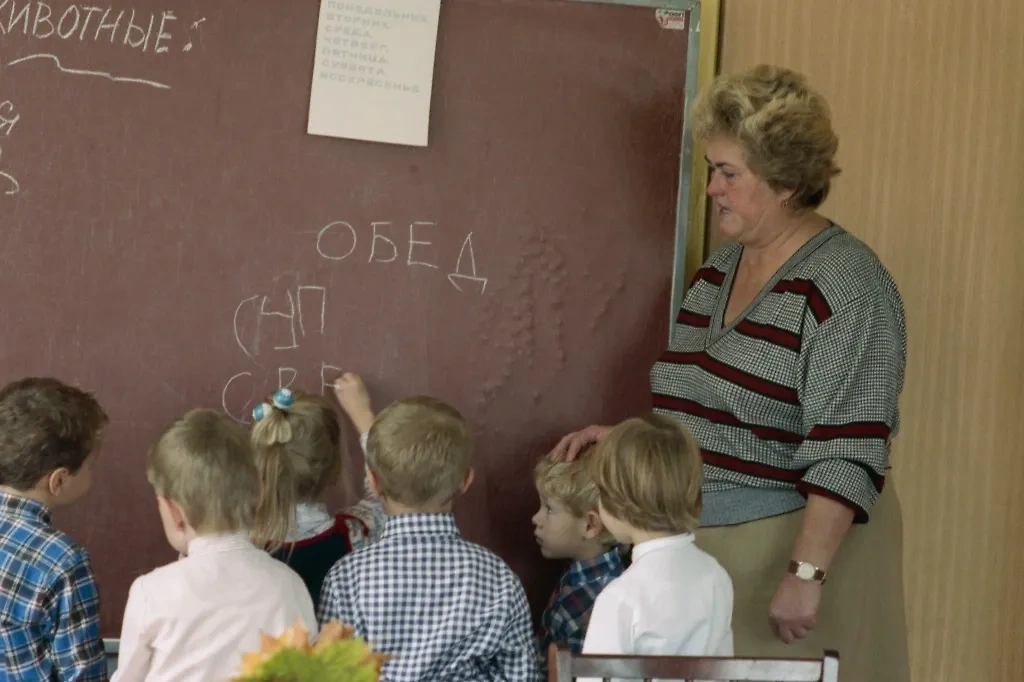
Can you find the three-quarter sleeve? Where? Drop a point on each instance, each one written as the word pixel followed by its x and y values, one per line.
pixel 853 368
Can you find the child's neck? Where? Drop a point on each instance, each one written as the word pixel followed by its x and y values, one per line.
pixel 398 509
pixel 33 494
pixel 638 537
pixel 590 550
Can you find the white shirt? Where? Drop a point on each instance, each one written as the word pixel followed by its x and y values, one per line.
pixel 192 620
pixel 674 600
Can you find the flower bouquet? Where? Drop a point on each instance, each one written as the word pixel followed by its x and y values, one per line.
pixel 337 656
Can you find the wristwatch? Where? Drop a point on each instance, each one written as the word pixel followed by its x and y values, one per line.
pixel 806 571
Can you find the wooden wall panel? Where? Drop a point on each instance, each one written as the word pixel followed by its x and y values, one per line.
pixel 927 101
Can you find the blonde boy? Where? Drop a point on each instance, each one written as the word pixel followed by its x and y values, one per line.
pixel 674 599
pixel 445 608
pixel 568 526
pixel 193 619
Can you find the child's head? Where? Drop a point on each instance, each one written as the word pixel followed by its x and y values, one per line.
pixel 299 448
pixel 48 434
pixel 568 525
pixel 203 473
pixel 648 473
pixel 419 453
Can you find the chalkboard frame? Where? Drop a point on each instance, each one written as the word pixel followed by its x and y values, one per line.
pixel 691 204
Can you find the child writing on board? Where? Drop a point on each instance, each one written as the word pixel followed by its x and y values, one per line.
pixel 49 604
pixel 193 619
pixel 300 451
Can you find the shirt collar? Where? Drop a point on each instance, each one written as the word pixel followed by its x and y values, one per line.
pixel 311 519
pixel 585 570
pixel 422 525
pixel 23 507
pixel 219 542
pixel 661 544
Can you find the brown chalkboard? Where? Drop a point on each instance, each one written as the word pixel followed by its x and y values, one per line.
pixel 171 237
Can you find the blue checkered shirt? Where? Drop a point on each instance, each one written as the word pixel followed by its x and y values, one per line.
pixel 49 603
pixel 447 609
pixel 568 611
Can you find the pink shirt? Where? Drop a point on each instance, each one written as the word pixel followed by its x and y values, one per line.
pixel 193 619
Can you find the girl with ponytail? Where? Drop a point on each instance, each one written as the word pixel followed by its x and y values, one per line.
pixel 300 449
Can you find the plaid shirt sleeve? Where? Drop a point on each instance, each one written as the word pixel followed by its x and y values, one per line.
pixel 77 645
pixel 518 658
pixel 853 366
pixel 336 602
pixel 567 623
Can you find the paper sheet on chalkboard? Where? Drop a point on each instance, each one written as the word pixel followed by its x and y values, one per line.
pixel 374 70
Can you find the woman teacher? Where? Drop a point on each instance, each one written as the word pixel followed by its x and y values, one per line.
pixel 787 364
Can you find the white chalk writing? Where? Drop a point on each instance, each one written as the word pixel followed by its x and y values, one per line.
pixel 195 27
pixel 295 316
pixel 8 119
pixel 89 72
pixel 459 275
pixel 413 241
pixel 240 395
pixel 148 32
pixel 281 383
pixel 144 31
pixel 323 306
pixel 338 240
pixel 276 325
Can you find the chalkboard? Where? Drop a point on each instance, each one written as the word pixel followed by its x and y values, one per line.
pixel 173 238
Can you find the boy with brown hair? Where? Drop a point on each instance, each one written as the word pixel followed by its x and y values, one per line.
pixel 194 619
pixel 445 608
pixel 49 605
pixel 674 599
pixel 568 526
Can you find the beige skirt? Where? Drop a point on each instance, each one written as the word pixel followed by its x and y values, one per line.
pixel 862 610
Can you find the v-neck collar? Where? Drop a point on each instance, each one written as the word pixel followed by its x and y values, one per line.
pixel 718 327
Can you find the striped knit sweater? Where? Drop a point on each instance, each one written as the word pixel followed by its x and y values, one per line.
pixel 799 394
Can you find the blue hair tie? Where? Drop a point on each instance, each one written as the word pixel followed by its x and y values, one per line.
pixel 282 400
pixel 261 411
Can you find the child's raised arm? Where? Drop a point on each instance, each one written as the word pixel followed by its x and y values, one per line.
pixel 353 397
pixel 350 390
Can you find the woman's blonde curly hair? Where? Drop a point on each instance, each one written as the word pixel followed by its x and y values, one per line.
pixel 783 125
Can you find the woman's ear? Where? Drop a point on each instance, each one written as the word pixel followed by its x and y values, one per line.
pixel 785 197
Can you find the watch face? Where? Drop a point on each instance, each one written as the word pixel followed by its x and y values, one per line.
pixel 805 572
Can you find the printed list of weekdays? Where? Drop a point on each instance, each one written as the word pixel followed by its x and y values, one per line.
pixel 373 70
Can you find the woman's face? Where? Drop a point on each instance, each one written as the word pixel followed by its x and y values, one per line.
pixel 742 202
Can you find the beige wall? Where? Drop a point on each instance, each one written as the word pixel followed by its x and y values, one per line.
pixel 928 100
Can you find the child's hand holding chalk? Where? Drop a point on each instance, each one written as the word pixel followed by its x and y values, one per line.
pixel 351 393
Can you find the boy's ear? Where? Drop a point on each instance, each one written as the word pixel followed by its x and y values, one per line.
pixel 374 484
pixel 466 482
pixel 175 511
pixel 594 527
pixel 56 480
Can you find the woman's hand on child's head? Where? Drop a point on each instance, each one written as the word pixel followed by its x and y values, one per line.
pixel 353 397
pixel 570 447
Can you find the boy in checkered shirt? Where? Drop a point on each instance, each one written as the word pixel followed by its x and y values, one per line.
pixel 49 603
pixel 568 526
pixel 443 607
